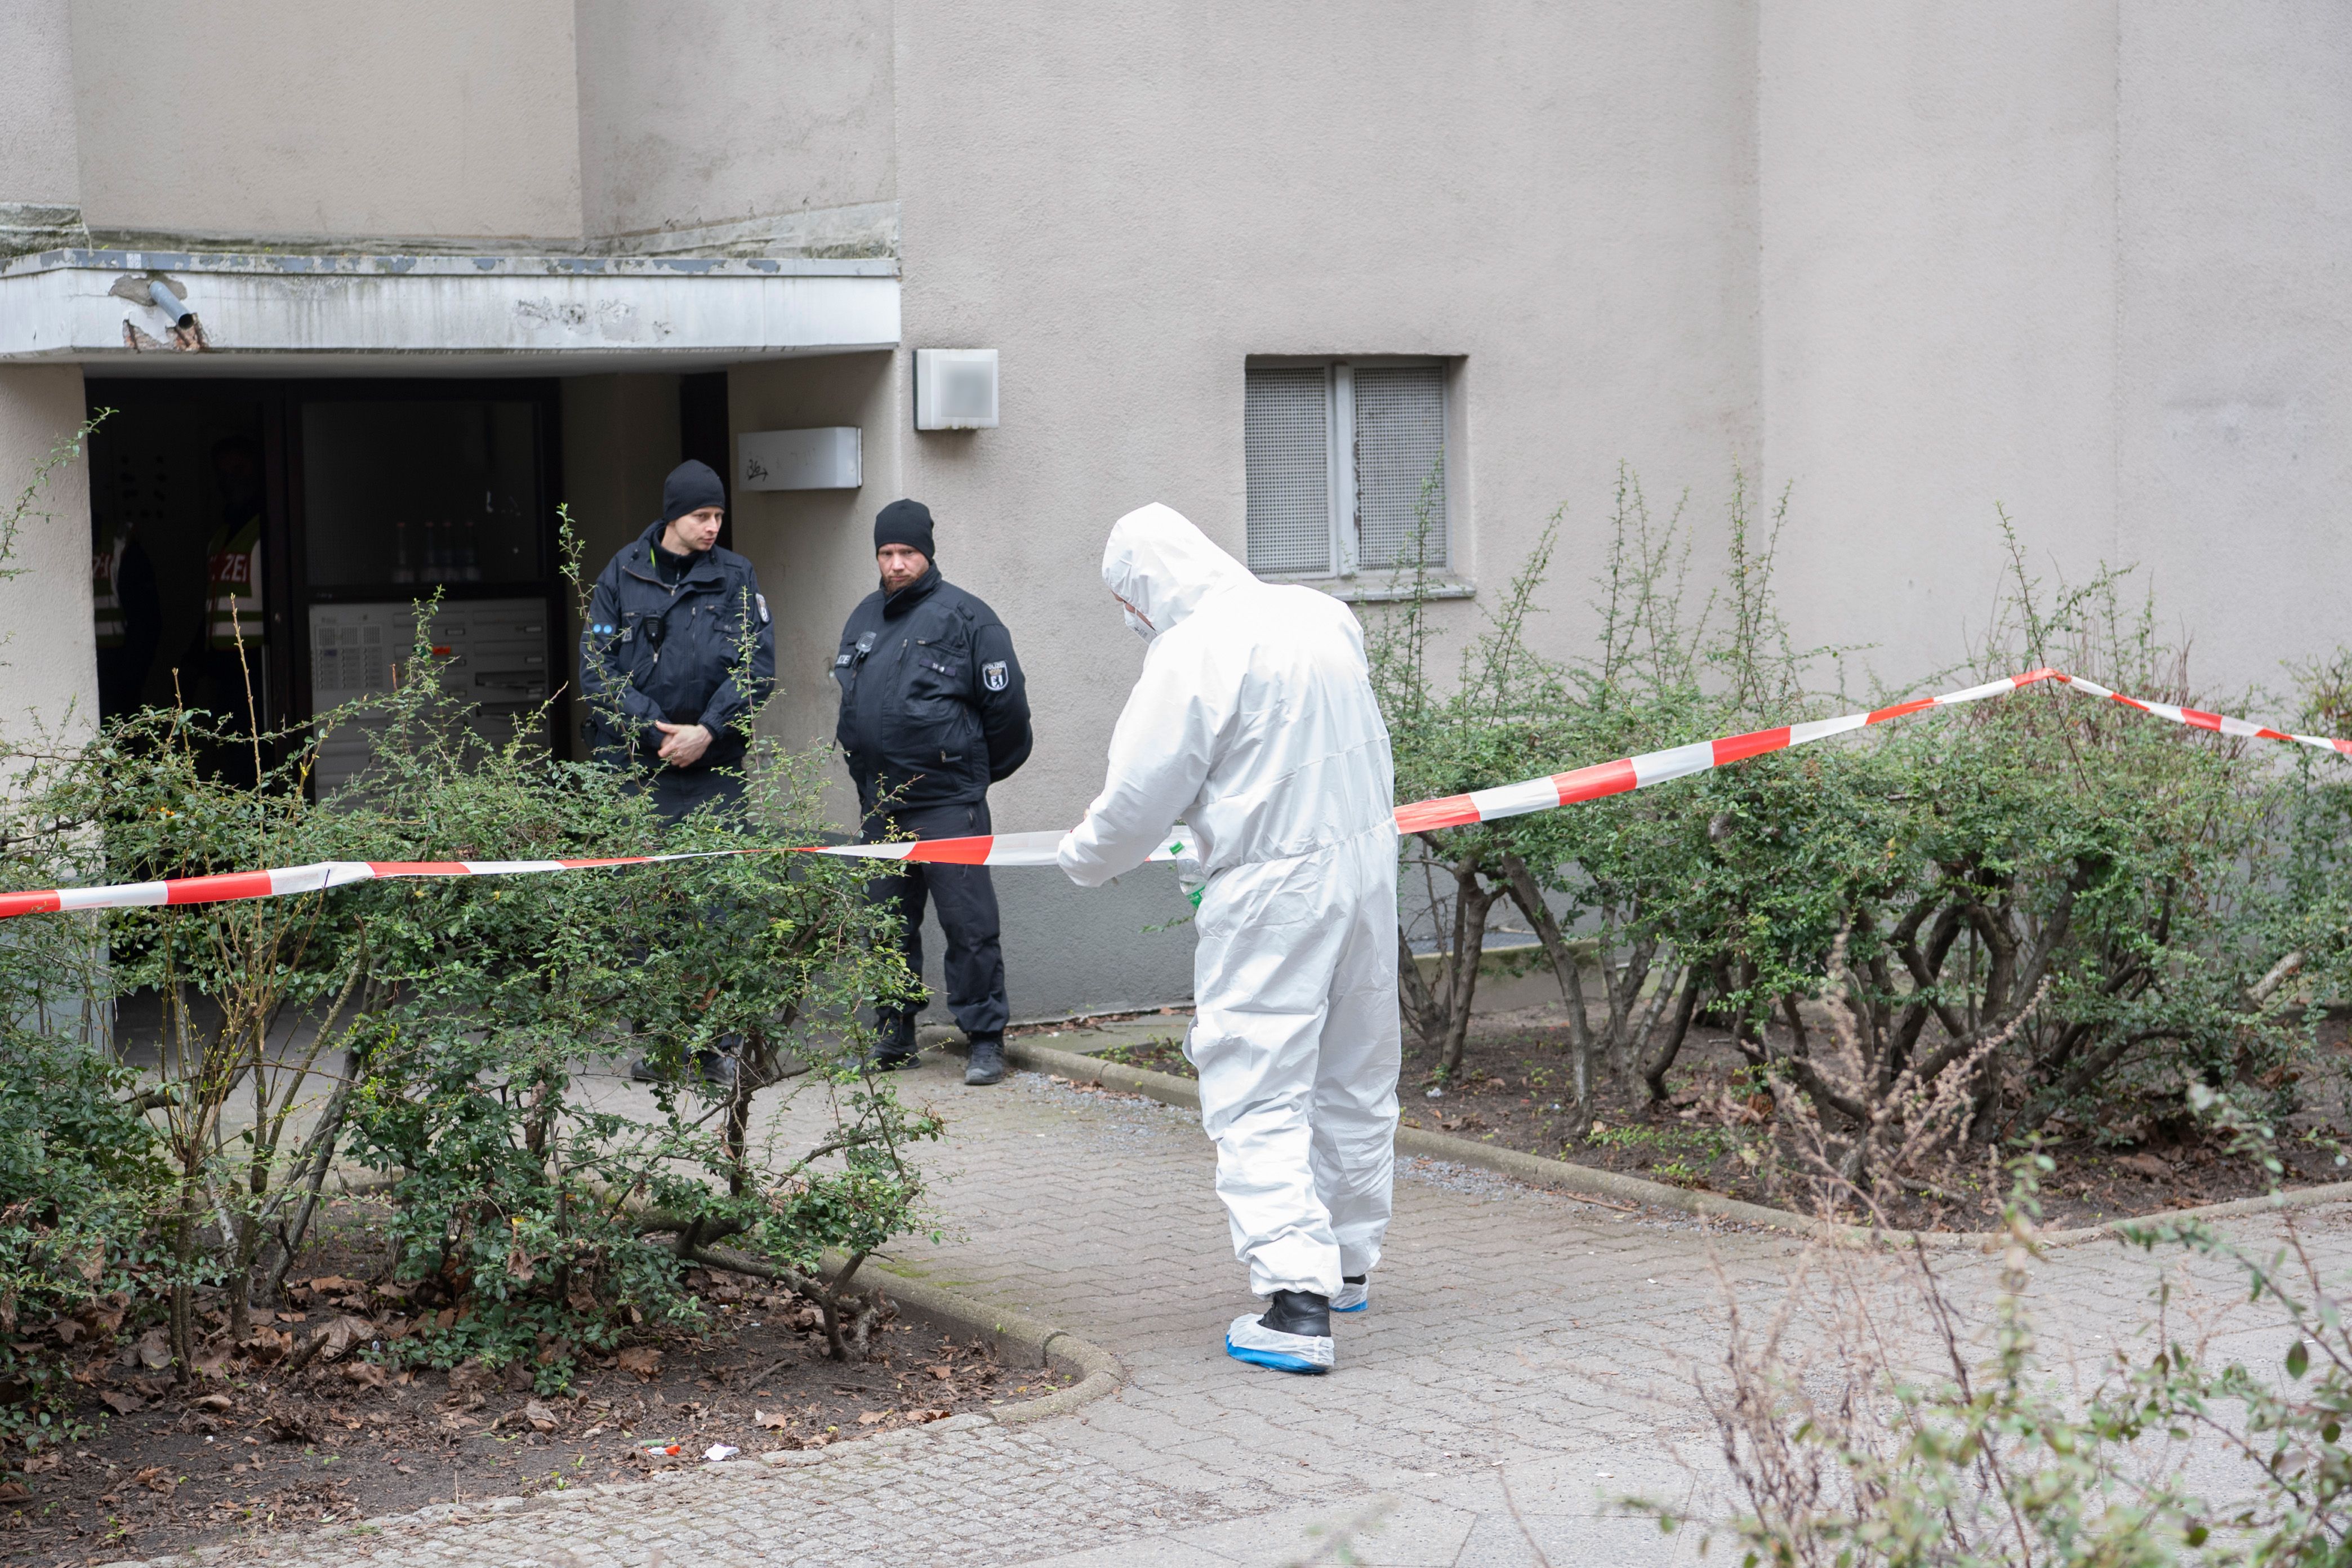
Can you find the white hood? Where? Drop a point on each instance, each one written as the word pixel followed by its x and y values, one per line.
pixel 1159 562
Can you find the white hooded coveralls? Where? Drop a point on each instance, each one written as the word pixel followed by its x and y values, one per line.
pixel 1255 723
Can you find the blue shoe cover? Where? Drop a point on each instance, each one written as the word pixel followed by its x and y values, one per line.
pixel 1353 1298
pixel 1249 1340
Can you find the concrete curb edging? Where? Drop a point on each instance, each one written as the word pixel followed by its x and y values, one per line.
pixel 1100 1370
pixel 1538 1171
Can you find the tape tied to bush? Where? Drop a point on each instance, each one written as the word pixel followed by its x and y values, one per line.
pixel 1546 794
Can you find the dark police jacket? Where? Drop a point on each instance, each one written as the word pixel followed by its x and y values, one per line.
pixel 700 653
pixel 932 702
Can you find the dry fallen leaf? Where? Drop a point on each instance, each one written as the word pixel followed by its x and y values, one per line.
pixel 154 1348
pixel 643 1360
pixel 942 1372
pixel 2150 1165
pixel 219 1402
pixel 344 1332
pixel 121 1402
pixel 540 1417
pixel 869 1417
pixel 13 1491
pixel 156 1479
pixel 773 1420
pixel 366 1373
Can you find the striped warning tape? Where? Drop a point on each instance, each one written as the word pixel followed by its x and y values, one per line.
pixel 1543 793
pixel 1681 762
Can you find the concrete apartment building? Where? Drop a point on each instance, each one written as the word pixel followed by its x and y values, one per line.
pixel 1264 262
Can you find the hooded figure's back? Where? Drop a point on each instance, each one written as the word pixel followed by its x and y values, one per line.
pixel 1254 721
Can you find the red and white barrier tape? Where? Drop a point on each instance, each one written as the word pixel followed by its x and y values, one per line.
pixel 1038 848
pixel 1681 762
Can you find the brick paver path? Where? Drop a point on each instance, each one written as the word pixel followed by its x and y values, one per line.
pixel 1526 1362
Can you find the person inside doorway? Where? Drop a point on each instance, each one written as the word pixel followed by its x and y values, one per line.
pixel 933 711
pixel 1254 722
pixel 231 656
pixel 127 610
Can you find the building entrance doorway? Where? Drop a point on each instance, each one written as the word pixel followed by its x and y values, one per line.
pixel 258 548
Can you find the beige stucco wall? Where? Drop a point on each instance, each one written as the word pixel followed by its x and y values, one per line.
pixel 2233 459
pixel 1938 185
pixel 429 118
pixel 49 655
pixel 38 162
pixel 2085 262
pixel 703 111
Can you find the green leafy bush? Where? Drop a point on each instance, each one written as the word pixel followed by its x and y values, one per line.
pixel 524 1200
pixel 2024 910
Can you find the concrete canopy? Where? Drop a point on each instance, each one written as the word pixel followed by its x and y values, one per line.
pixel 437 315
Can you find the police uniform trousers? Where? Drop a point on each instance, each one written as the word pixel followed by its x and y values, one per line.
pixel 677 791
pixel 965 901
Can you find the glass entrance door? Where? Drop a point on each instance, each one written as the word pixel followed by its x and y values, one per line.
pixel 355 501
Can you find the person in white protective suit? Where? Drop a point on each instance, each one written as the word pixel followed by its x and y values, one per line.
pixel 1253 722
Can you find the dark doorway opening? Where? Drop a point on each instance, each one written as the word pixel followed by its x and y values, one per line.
pixel 258 546
pixel 702 436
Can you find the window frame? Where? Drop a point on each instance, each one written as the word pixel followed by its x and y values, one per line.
pixel 1339 458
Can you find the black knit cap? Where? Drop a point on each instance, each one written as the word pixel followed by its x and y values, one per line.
pixel 905 522
pixel 691 486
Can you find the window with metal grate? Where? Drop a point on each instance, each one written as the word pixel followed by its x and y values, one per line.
pixel 1399 465
pixel 1372 498
pixel 1286 425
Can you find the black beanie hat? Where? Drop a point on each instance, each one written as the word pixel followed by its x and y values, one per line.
pixel 904 522
pixel 691 486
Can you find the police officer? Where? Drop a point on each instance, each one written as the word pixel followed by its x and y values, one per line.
pixel 677 653
pixel 933 711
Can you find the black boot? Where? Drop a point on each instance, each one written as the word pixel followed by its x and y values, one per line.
pixel 987 1063
pixel 895 1047
pixel 1298 1312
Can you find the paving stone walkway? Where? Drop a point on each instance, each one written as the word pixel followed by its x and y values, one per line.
pixel 1527 1362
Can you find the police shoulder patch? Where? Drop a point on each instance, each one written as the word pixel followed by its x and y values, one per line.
pixel 995 675
pixel 763 608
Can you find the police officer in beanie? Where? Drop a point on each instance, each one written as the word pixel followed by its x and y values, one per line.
pixel 677 653
pixel 933 711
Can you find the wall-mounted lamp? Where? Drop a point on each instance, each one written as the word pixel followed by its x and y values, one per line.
pixel 955 389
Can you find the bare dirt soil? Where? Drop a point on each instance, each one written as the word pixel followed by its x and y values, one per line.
pixel 1718 1132
pixel 161 1465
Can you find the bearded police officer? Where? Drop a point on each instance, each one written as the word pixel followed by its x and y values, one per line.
pixel 933 711
pixel 677 653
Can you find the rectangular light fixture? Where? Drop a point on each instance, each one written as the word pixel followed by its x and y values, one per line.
pixel 831 459
pixel 955 389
